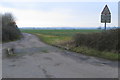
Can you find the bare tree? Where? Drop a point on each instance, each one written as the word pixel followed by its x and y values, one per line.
pixel 7 19
pixel 10 30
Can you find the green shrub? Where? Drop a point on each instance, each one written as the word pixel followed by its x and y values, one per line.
pixel 103 41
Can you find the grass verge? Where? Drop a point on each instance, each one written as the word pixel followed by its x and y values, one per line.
pixel 92 52
pixel 56 38
pixel 57 41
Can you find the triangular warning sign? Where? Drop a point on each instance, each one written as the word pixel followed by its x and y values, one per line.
pixel 106 10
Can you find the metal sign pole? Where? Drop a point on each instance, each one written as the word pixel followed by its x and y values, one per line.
pixel 105 24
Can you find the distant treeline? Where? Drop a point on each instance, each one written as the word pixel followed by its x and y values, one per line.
pixel 10 30
pixel 103 41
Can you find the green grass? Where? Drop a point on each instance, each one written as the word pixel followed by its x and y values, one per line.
pixel 92 52
pixel 58 37
pixel 45 51
pixel 59 32
pixel 53 40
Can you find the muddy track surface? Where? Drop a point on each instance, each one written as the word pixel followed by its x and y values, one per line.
pixel 35 59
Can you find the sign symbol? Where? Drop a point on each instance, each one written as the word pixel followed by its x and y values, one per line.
pixel 106 10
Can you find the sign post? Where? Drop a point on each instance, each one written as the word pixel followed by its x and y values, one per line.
pixel 105 25
pixel 106 16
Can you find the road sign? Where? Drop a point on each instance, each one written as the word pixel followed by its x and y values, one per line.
pixel 106 15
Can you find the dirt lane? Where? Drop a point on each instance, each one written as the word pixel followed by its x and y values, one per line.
pixel 36 59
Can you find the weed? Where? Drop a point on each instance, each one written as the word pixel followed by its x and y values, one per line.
pixel 45 51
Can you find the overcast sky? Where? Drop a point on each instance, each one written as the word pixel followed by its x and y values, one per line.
pixel 35 13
